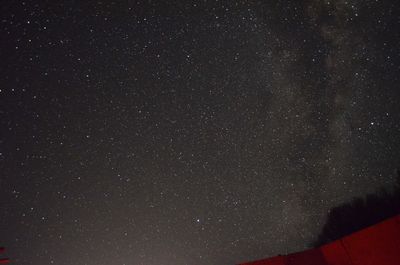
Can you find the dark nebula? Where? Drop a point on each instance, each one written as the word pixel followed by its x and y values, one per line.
pixel 190 132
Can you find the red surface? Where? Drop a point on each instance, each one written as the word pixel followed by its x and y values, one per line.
pixel 379 244
pixel 335 254
pixel 309 257
pixel 375 245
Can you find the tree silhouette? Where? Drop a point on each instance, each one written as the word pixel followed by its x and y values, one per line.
pixel 360 213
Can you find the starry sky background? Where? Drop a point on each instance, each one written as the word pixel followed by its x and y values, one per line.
pixel 190 132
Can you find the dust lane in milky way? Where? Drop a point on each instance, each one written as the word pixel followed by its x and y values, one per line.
pixel 190 132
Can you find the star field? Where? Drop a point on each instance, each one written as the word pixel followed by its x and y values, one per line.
pixel 190 132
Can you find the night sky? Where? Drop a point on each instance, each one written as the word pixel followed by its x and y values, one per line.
pixel 190 132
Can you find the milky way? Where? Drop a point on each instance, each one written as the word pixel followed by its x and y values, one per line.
pixel 190 132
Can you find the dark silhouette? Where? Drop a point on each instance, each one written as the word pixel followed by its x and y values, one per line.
pixel 360 213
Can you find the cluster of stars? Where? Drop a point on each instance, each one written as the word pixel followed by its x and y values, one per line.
pixel 190 132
